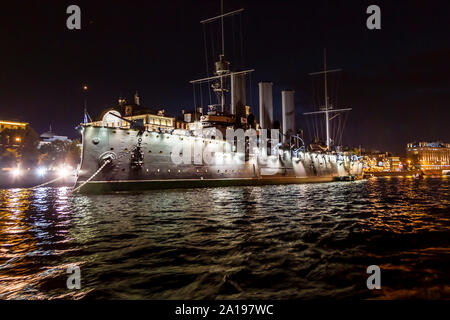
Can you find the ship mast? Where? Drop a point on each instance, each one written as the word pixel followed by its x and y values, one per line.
pixel 327 108
pixel 222 67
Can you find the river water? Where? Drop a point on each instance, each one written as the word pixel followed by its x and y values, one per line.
pixel 272 242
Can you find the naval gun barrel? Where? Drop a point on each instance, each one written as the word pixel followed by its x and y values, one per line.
pixel 134 124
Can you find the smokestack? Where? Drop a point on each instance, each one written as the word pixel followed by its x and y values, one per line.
pixel 136 99
pixel 288 112
pixel 265 105
pixel 238 95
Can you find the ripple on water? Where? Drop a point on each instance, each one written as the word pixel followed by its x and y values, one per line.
pixel 272 242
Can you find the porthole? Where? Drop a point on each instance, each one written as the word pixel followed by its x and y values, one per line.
pixel 160 152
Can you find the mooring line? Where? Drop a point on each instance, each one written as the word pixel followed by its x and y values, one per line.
pixel 44 184
pixel 92 177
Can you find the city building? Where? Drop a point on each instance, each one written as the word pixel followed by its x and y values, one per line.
pixel 432 157
pixel 377 161
pixel 14 140
pixel 6 124
pixel 395 164
pixel 49 137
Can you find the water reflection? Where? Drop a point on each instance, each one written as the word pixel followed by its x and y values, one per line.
pixel 294 241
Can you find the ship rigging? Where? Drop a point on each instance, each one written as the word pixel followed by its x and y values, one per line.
pixel 327 109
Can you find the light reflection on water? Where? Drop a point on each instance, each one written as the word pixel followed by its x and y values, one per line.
pixel 292 241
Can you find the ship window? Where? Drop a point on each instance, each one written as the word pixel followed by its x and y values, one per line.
pixel 226 171
pixel 112 149
pixel 198 171
pixel 218 171
pixel 179 170
pixel 168 170
pixel 232 171
pixel 125 150
pixel 157 136
pixel 157 170
pixel 149 151
pixel 181 153
pixel 160 152
pixel 206 170
pixel 146 169
pixel 181 138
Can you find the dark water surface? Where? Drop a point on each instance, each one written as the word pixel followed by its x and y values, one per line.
pixel 272 242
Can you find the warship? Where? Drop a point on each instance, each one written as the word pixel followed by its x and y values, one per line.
pixel 135 148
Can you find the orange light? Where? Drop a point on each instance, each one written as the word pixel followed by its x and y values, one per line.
pixel 18 139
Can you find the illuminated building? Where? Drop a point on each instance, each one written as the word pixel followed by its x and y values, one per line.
pixel 116 117
pixel 14 125
pixel 429 156
pixel 12 141
pixel 49 136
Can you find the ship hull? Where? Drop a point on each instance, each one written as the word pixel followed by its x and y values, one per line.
pixel 159 171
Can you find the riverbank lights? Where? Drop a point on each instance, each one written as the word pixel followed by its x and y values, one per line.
pixel 63 172
pixel 41 171
pixel 16 172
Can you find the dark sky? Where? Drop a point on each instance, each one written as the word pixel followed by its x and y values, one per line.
pixel 397 79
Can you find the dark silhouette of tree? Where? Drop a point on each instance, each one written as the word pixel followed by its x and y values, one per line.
pixel 60 152
pixel 28 147
pixel 19 146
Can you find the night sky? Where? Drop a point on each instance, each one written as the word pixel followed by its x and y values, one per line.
pixel 397 79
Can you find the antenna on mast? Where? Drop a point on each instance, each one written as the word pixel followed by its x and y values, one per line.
pixel 223 37
pixel 222 67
